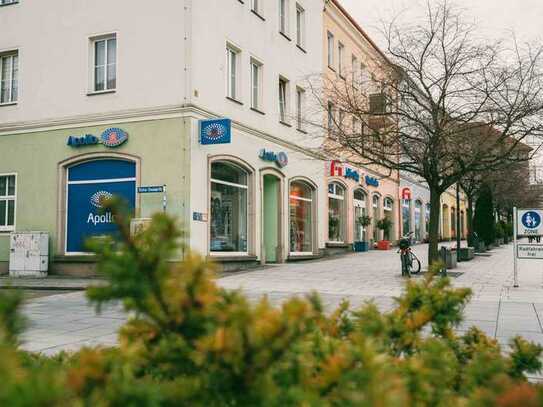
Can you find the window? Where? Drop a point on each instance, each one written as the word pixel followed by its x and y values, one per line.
pixel 354 71
pixel 336 212
pixel 418 221
pixel 7 202
pixel 357 128
pixel 406 216
pixel 105 64
pixel 331 119
pixel 232 69
pixel 9 77
pixel 300 103
pixel 301 218
pixel 283 16
pixel 340 54
pixel 377 103
pixel 300 26
pixel 228 208
pixel 256 85
pixel 283 100
pixel 330 50
pixel 376 216
pixel 359 204
pixel 256 6
pixel 340 119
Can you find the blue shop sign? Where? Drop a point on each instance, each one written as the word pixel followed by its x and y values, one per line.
pixel 215 131
pixel 352 174
pixel 112 137
pixel 281 158
pixel 372 181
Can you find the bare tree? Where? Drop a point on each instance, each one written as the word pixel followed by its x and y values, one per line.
pixel 440 90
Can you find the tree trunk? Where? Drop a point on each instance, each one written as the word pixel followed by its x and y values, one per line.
pixel 469 213
pixel 433 229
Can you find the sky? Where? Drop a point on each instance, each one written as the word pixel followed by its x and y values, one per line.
pixel 494 18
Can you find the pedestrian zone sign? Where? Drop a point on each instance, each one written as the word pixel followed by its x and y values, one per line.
pixel 529 222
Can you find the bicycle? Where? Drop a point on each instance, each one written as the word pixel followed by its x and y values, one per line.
pixel 410 262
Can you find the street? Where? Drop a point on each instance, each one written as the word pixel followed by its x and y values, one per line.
pixel 66 322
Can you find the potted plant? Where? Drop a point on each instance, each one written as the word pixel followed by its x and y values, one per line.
pixel 333 227
pixel 362 245
pixel 384 224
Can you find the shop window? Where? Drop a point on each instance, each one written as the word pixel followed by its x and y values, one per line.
pixel 360 211
pixel 105 63
pixel 418 221
pixel 8 198
pixel 406 216
pixel 229 208
pixel 427 218
pixel 388 208
pixel 336 212
pixel 376 203
pixel 301 217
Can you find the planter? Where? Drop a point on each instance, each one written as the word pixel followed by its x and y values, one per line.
pixel 361 246
pixel 466 254
pixel 383 245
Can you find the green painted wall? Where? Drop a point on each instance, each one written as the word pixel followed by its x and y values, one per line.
pixel 162 146
pixel 271 217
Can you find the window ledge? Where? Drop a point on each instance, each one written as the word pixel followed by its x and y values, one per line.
pixel 8 104
pixel 101 92
pixel 258 111
pixel 301 48
pixel 285 123
pixel 234 100
pixel 285 35
pixel 232 259
pixel 302 131
pixel 256 13
pixel 9 4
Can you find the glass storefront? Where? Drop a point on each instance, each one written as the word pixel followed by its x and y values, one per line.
pixel 301 217
pixel 406 216
pixel 229 208
pixel 388 208
pixel 336 212
pixel 427 219
pixel 376 216
pixel 418 221
pixel 360 232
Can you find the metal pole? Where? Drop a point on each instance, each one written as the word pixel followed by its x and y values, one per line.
pixel 164 199
pixel 515 271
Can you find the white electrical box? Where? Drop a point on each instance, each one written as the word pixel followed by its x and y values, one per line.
pixel 29 254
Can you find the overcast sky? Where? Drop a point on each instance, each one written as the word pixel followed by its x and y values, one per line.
pixel 494 17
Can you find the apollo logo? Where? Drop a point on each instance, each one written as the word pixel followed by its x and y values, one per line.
pixel 98 198
pixel 215 131
pixel 114 137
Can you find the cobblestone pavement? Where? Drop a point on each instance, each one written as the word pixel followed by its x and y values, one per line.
pixel 66 322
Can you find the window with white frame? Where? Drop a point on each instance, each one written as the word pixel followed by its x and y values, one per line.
pixel 104 63
pixel 9 77
pixel 233 57
pixel 283 16
pixel 300 26
pixel 256 6
pixel 283 99
pixel 256 84
pixel 300 103
pixel 331 119
pixel 330 50
pixel 340 55
pixel 354 71
pixel 8 198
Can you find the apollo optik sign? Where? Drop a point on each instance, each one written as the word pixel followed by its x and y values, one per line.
pixel 111 138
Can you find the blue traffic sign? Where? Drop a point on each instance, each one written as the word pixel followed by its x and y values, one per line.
pixel 531 220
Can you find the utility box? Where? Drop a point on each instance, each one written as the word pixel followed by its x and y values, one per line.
pixel 29 254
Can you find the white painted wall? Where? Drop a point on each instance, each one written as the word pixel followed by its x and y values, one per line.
pixel 53 41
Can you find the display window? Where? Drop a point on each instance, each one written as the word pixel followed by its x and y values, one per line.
pixel 336 212
pixel 228 208
pixel 418 221
pixel 376 211
pixel 406 216
pixel 388 208
pixel 360 211
pixel 301 218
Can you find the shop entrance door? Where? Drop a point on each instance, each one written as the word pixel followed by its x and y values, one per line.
pixel 272 218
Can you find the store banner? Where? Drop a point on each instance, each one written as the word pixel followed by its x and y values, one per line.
pixel 86 217
pixel 215 131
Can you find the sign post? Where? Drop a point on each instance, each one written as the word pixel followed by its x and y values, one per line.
pixel 526 222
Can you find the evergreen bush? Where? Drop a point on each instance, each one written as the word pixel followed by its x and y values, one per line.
pixel 483 222
pixel 189 342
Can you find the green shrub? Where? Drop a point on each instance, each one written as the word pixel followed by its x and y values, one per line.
pixel 189 342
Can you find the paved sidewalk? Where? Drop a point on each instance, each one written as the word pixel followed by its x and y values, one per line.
pixel 66 322
pixel 49 283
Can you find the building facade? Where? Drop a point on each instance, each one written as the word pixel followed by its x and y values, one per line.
pixel 203 121
pixel 353 192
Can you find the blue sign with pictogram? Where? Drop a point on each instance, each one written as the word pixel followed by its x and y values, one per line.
pixel 215 131
pixel 531 220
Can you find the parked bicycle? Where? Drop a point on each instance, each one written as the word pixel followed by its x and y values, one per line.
pixel 410 262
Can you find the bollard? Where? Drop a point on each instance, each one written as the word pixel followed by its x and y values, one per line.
pixel 443 253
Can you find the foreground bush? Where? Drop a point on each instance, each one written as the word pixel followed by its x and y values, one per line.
pixel 191 343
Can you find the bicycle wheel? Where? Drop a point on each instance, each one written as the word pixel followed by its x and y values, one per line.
pixel 415 264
